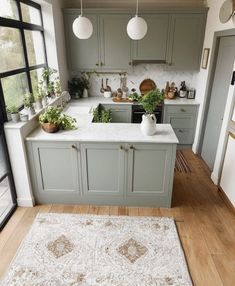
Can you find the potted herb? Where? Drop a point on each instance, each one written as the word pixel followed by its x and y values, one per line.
pixel 13 110
pixel 52 120
pixel 38 101
pixel 47 76
pixel 57 87
pixel 149 102
pixel 28 103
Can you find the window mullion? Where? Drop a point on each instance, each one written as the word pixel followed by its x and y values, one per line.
pixel 25 49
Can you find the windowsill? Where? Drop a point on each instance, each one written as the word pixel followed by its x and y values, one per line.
pixel 33 118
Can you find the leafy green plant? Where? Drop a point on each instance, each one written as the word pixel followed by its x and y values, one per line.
pixel 53 115
pixel 150 100
pixel 78 84
pixel 28 99
pixel 101 115
pixel 37 96
pixel 12 109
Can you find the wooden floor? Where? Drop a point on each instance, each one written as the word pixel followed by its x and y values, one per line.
pixel 205 224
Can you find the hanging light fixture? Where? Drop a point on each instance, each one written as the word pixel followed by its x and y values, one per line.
pixel 137 26
pixel 82 26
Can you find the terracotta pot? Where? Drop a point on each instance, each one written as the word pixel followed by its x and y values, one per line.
pixel 50 127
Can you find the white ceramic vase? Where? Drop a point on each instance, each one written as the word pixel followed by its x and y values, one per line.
pixel 38 104
pixel 85 93
pixel 148 124
pixel 15 117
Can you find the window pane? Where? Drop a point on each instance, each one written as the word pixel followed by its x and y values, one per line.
pixel 9 9
pixel 30 14
pixel 36 76
pixel 35 48
pixel 3 165
pixel 5 198
pixel 14 88
pixel 11 51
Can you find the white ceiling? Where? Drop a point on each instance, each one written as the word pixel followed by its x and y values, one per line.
pixel 143 4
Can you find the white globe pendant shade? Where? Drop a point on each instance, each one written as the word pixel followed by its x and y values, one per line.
pixel 137 28
pixel 82 27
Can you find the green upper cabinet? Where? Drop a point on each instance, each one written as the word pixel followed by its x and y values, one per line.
pixel 82 54
pixel 115 43
pixel 154 45
pixel 186 40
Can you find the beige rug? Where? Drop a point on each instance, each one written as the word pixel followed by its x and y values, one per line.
pixel 89 250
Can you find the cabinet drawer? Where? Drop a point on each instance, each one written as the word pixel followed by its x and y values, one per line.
pixel 185 136
pixel 181 121
pixel 181 109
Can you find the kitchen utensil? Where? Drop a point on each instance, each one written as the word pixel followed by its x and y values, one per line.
pixel 147 85
pixel 107 93
pixel 107 88
pixel 102 86
pixel 124 87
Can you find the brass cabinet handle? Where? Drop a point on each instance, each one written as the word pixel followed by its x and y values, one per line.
pixel 130 63
pixel 232 135
pixel 102 64
pixel 74 147
pixel 97 64
pixel 121 147
pixel 180 131
pixel 132 147
pixel 182 110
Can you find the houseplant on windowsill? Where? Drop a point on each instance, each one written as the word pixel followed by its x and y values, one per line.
pixel 13 110
pixel 52 120
pixel 38 101
pixel 28 103
pixel 149 101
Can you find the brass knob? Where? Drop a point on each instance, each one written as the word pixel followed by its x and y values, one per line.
pixel 121 147
pixel 97 64
pixel 132 147
pixel 74 147
pixel 183 110
pixel 130 63
pixel 180 131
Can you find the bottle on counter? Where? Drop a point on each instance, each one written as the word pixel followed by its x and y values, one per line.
pixel 167 88
pixel 183 89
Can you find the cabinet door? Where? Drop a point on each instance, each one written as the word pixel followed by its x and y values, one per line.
pixel 103 171
pixel 150 173
pixel 187 33
pixel 57 171
pixel 81 54
pixel 154 45
pixel 120 113
pixel 115 43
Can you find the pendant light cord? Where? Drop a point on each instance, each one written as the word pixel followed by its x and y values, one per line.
pixel 137 7
pixel 81 9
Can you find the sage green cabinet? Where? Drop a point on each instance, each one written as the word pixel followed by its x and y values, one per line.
pixel 186 40
pixel 103 172
pixel 150 169
pixel 120 113
pixel 55 169
pixel 183 119
pixel 115 43
pixel 154 45
pixel 82 54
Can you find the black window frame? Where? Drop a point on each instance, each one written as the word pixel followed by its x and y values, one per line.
pixel 22 26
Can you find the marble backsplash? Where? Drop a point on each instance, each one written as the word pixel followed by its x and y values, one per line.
pixel 159 73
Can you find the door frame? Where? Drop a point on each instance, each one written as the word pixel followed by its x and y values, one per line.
pixel 214 55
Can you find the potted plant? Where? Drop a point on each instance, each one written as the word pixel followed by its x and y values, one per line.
pixel 47 76
pixel 52 120
pixel 42 93
pixel 13 110
pixel 57 87
pixel 38 101
pixel 77 85
pixel 149 102
pixel 28 103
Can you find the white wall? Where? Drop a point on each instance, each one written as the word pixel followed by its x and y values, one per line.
pixel 54 37
pixel 213 25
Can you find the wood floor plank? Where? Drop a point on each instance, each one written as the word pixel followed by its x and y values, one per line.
pixel 113 210
pixel 133 211
pixel 103 210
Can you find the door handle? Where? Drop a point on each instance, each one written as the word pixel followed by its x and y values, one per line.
pixel 74 147
pixel 232 135
pixel 233 78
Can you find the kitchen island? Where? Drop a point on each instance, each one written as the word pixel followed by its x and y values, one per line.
pixel 102 163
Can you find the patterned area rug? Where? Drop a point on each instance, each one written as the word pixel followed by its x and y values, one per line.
pixel 181 164
pixel 89 250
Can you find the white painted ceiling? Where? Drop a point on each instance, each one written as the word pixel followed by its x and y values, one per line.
pixel 143 4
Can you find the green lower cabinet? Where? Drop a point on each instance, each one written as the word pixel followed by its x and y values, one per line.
pixel 103 172
pixel 55 171
pixel 150 173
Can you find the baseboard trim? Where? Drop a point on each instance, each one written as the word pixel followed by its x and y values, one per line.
pixel 214 179
pixel 226 199
pixel 23 202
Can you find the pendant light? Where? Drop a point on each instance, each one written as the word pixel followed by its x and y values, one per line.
pixel 82 26
pixel 137 26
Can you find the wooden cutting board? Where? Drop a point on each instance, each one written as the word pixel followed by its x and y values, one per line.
pixel 115 99
pixel 147 85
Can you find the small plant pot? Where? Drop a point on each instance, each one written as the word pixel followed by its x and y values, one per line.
pixel 50 127
pixel 38 104
pixel 15 117
pixel 31 111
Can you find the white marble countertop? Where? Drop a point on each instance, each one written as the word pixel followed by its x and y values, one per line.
pixel 102 132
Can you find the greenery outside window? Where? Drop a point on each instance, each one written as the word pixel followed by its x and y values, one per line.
pixel 22 51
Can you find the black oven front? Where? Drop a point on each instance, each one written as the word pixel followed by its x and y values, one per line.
pixel 138 111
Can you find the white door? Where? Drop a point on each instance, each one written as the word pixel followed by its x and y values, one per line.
pixel 227 181
pixel 221 83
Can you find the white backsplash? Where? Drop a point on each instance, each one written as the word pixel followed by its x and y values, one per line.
pixel 158 73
